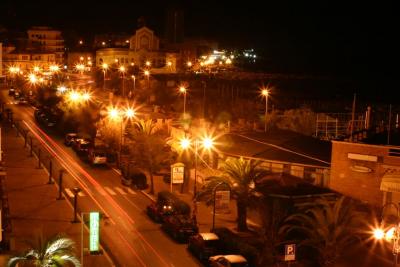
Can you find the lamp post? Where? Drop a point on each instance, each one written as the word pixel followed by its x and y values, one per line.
pixel 134 83
pixel 116 114
pixel 393 234
pixel 122 70
pixel 207 143
pixel 183 91
pixel 76 192
pixel 147 74
pixel 265 93
pixel 104 67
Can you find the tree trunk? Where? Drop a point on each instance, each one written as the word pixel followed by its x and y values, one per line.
pixel 242 216
pixel 151 183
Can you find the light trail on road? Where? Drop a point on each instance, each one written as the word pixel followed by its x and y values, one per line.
pixel 96 185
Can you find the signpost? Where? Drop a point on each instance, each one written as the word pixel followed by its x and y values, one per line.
pixel 290 253
pixel 177 173
pixel 222 199
pixel 94 233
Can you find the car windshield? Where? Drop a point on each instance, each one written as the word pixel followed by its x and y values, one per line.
pixel 211 243
pixel 99 154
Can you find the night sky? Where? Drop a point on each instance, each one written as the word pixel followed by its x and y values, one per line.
pixel 326 37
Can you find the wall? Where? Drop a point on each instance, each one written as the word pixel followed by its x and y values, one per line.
pixel 349 179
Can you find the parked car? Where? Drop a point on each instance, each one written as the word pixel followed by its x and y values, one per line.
pixel 180 227
pixel 82 146
pixel 97 156
pixel 204 245
pixel 228 261
pixel 167 204
pixel 22 100
pixel 11 91
pixel 70 138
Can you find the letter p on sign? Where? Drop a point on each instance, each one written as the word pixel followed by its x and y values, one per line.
pixel 290 252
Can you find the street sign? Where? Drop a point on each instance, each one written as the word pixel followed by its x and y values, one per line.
pixel 177 173
pixel 290 252
pixel 94 235
pixel 222 198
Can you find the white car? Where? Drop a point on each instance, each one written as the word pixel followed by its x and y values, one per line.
pixel 228 261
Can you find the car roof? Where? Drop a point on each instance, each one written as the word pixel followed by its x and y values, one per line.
pixel 231 258
pixel 209 236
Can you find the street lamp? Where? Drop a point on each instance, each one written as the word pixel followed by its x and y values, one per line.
pixel 207 143
pixel 147 74
pixel 134 82
pixel 104 66
pixel 393 234
pixel 265 93
pixel 116 114
pixel 183 91
pixel 122 70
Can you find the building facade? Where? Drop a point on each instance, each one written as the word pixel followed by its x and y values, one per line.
pixel 143 52
pixel 46 39
pixel 370 173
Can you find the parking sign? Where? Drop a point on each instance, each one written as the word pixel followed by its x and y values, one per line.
pixel 290 252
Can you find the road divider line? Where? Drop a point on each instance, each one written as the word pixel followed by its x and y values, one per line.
pixel 131 191
pixel 122 192
pixel 110 191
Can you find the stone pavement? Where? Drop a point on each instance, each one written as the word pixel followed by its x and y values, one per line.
pixel 34 210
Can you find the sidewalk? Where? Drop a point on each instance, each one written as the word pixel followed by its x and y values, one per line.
pixel 34 210
pixel 204 214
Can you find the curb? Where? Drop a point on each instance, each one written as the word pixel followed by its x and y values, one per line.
pixel 152 198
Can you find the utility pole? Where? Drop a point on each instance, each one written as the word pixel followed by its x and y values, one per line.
pixel 390 122
pixel 352 118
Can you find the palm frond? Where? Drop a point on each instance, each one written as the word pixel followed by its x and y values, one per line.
pixel 15 260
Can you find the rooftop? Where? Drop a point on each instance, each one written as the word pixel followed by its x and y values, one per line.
pixel 278 145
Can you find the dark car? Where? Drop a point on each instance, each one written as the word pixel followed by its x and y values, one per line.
pixel 70 138
pixel 204 245
pixel 11 91
pixel 167 204
pixel 180 227
pixel 228 261
pixel 82 146
pixel 22 100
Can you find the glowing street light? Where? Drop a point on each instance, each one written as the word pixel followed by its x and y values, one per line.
pixel 86 96
pixel 183 91
pixel 189 64
pixel 54 68
pixel 104 66
pixel 62 89
pixel 32 78
pixel 207 143
pixel 391 235
pixel 147 74
pixel 36 69
pixel 148 63
pixel 80 68
pixel 122 69
pixel 265 93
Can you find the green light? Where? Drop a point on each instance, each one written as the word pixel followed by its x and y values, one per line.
pixel 94 231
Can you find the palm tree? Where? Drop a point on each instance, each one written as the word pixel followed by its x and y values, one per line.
pixel 56 252
pixel 329 229
pixel 149 150
pixel 241 176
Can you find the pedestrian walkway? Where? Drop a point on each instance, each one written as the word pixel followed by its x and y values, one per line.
pixel 34 210
pixel 204 215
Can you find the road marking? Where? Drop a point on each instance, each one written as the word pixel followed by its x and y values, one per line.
pixel 131 191
pixel 69 192
pixel 110 191
pixel 117 171
pixel 122 192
